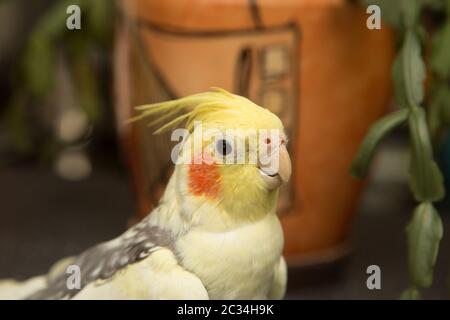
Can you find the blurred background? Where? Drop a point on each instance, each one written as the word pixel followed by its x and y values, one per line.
pixel 73 173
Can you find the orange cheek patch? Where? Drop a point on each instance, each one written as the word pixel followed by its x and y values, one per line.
pixel 204 179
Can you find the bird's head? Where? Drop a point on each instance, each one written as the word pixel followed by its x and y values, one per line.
pixel 231 155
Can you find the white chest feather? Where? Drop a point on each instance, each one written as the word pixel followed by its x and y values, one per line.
pixel 236 264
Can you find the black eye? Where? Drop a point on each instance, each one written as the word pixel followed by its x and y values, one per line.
pixel 223 147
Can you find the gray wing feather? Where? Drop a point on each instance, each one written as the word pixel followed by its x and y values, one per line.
pixel 102 261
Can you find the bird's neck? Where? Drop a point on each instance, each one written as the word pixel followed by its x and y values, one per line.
pixel 179 211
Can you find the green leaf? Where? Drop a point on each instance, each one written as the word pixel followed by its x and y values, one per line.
pixel 399 83
pixel 440 51
pixel 439 107
pixel 408 73
pixel 100 19
pixel 426 180
pixel 39 64
pixel 424 233
pixel 87 85
pixel 411 10
pixel 410 294
pixel 379 129
pixel 412 70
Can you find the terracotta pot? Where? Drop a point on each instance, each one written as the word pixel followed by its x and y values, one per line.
pixel 312 62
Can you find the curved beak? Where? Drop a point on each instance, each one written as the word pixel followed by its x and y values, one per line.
pixel 278 170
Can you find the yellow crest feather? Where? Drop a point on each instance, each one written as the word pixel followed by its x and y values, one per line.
pixel 216 105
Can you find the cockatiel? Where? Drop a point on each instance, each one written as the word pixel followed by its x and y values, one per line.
pixel 215 233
